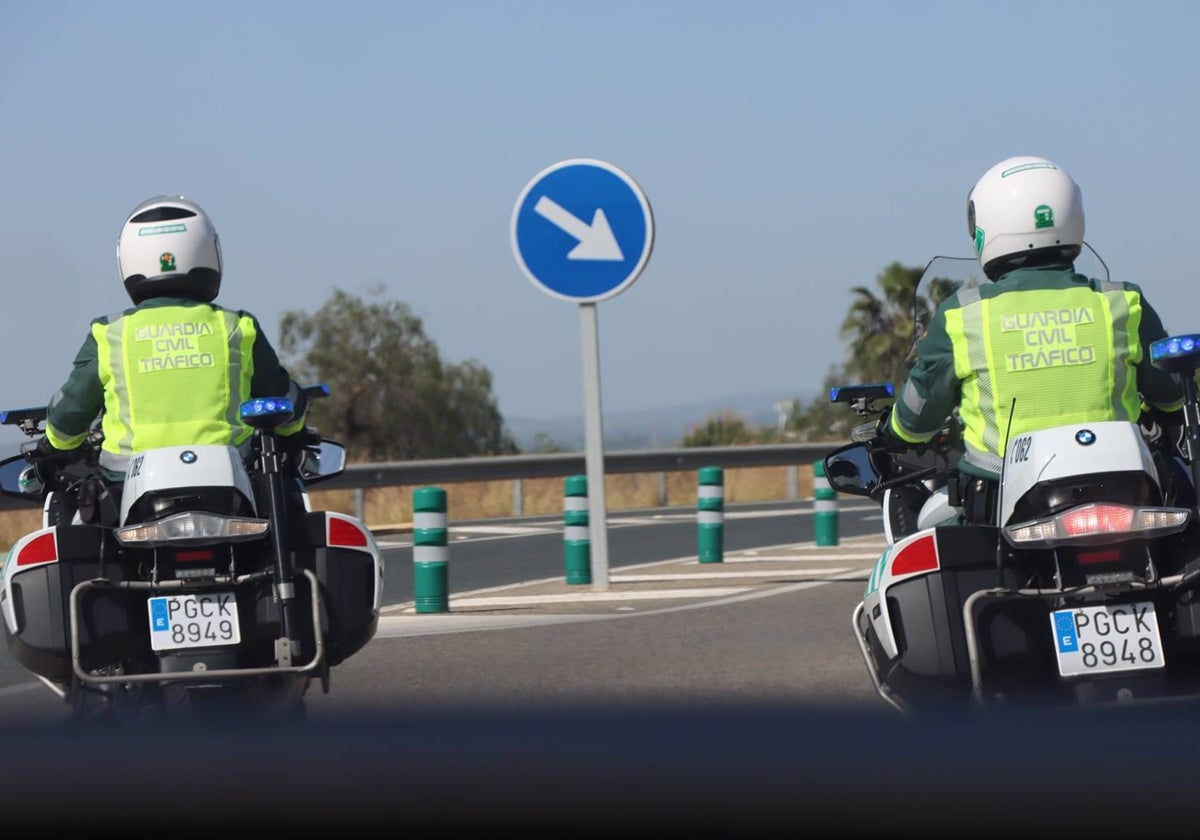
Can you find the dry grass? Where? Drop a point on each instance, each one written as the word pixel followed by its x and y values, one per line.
pixel 544 496
pixel 541 496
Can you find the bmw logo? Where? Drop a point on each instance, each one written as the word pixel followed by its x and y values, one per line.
pixel 1085 437
pixel 187 456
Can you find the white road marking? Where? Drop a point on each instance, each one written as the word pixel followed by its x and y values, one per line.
pixel 717 575
pixel 394 626
pixel 505 530
pixel 590 597
pixel 801 558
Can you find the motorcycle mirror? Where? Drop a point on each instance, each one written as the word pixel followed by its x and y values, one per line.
pixel 11 470
pixel 851 469
pixel 325 460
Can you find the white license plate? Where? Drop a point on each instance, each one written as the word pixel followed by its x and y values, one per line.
pixel 188 621
pixel 1106 638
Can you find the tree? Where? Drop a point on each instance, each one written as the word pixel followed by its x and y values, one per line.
pixel 392 396
pixel 544 442
pixel 882 333
pixel 724 428
pixel 881 329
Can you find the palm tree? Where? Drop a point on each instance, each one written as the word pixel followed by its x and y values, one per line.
pixel 880 330
pixel 882 334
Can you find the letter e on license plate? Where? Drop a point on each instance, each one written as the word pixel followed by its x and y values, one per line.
pixel 1104 638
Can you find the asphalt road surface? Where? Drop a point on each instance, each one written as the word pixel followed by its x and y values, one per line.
pixel 684 699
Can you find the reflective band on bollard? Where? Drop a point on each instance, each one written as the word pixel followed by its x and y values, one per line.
pixel 710 515
pixel 577 543
pixel 430 554
pixel 825 514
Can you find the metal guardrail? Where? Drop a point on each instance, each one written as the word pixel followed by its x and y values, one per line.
pixel 548 465
pixel 517 468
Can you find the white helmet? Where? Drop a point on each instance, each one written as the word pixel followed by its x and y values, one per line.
pixel 169 247
pixel 1025 211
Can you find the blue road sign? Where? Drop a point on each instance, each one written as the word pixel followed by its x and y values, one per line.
pixel 582 230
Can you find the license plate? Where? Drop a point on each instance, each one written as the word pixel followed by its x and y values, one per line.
pixel 1106 638
pixel 188 621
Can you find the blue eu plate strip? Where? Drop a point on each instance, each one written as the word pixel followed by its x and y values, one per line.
pixel 1064 632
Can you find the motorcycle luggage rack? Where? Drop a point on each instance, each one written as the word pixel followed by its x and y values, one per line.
pixel 880 689
pixel 1002 594
pixel 194 676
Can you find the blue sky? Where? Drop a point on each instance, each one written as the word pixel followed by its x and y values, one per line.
pixel 790 151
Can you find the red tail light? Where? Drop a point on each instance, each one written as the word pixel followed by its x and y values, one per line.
pixel 342 533
pixel 193 556
pixel 1087 557
pixel 1097 519
pixel 40 549
pixel 918 556
pixel 1098 523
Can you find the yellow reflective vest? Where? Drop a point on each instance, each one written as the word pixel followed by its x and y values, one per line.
pixel 167 372
pixel 1040 347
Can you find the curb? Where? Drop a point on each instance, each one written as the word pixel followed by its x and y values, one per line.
pixel 393 528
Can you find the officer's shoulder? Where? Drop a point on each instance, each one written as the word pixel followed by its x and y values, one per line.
pixel 1123 285
pixel 240 313
pixel 104 320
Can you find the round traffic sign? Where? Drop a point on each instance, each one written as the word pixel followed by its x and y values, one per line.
pixel 582 230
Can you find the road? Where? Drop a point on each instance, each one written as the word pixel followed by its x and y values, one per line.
pixel 771 622
pixel 723 700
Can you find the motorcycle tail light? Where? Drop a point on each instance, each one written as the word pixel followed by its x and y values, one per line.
pixel 192 528
pixel 194 556
pixel 1098 523
pixel 1089 558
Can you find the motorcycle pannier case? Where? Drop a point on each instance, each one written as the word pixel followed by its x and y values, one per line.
pixel 926 612
pixel 340 551
pixel 48 564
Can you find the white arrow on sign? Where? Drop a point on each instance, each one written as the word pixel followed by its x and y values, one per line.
pixel 596 241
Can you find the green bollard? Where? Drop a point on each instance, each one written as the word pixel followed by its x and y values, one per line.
pixel 430 553
pixel 577 543
pixel 710 516
pixel 825 514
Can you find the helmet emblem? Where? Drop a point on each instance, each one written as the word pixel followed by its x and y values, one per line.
pixel 1043 216
pixel 1085 437
pixel 167 261
pixel 187 456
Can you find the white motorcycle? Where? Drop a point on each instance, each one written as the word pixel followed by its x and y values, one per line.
pixel 212 588
pixel 1080 590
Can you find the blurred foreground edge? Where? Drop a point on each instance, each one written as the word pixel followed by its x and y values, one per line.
pixel 744 770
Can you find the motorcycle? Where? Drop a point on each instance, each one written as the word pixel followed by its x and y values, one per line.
pixel 1079 589
pixel 204 584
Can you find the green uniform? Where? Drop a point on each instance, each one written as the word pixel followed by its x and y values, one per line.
pixel 1039 347
pixel 168 372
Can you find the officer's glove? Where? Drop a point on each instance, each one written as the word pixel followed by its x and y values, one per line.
pixel 884 436
pixel 47 460
pixel 1163 431
pixel 1152 430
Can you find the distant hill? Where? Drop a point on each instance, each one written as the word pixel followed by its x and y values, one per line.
pixel 651 428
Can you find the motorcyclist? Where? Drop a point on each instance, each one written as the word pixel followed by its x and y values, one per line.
pixel 1039 346
pixel 172 369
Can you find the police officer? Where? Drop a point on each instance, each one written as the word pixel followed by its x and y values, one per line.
pixel 1039 346
pixel 174 368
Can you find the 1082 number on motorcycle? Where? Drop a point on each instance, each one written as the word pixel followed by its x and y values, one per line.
pixel 1107 637
pixel 187 621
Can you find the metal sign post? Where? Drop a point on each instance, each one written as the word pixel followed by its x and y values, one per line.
pixel 582 231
